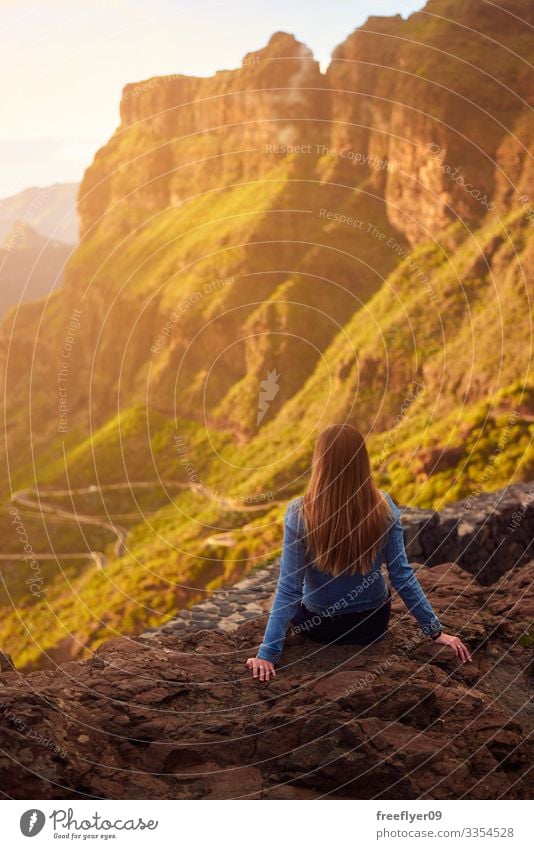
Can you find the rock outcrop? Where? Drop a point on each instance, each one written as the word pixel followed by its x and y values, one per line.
pixel 179 717
pixel 194 134
pixel 404 95
pixel 487 534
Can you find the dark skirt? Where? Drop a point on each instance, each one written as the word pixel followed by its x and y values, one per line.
pixel 359 628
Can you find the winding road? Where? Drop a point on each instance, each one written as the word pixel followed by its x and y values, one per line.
pixel 33 500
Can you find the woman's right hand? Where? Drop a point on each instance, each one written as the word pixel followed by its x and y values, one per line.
pixel 455 643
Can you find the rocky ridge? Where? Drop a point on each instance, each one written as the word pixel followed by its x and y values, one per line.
pixel 177 716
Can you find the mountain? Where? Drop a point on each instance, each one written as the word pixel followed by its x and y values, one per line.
pixel 50 210
pixel 31 266
pixel 261 253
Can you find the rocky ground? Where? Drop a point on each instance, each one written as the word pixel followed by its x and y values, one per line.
pixel 176 715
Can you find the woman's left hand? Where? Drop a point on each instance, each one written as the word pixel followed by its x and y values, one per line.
pixel 262 669
pixel 459 648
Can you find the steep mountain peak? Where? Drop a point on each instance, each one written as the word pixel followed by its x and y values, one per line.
pixel 282 57
pixel 50 210
pixel 283 44
pixel 276 98
pixel 22 235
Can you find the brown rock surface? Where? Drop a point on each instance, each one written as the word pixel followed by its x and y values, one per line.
pixel 179 717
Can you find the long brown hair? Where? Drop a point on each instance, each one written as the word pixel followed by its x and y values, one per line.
pixel 345 514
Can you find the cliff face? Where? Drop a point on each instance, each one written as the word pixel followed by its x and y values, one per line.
pixel 401 102
pixel 183 135
pixel 179 718
pixel 429 97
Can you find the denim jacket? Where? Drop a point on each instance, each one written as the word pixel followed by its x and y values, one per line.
pixel 328 594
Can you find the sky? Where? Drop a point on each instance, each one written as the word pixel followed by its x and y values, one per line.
pixel 64 63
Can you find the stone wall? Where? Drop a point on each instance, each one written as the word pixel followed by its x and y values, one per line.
pixel 486 536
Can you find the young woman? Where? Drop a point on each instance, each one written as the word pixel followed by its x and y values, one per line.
pixel 335 539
